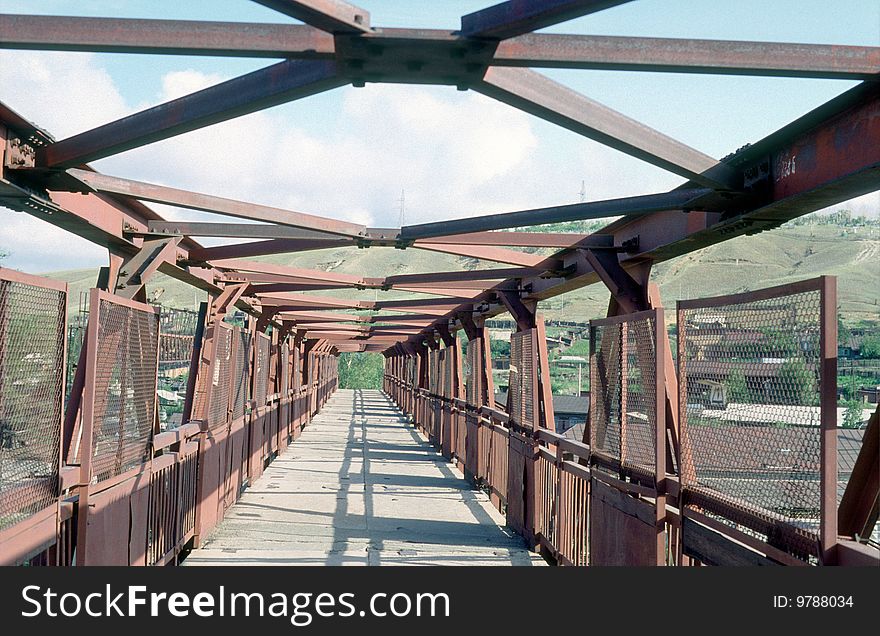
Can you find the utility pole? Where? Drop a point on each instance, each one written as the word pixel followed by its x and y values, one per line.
pixel 583 192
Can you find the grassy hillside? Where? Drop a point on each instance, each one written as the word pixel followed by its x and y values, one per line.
pixel 745 263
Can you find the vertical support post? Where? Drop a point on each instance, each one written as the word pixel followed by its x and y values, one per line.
pixel 660 433
pixel 828 408
pixel 191 380
pixel 87 424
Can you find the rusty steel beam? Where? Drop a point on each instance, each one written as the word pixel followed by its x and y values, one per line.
pixel 542 97
pixel 495 254
pixel 238 265
pixel 465 275
pixel 460 285
pixel 267 87
pixel 515 17
pixel 272 288
pixel 438 231
pixel 419 302
pixel 558 240
pixel 825 157
pixel 414 318
pixel 322 316
pixel 263 248
pixel 334 16
pixel 164 37
pixel 237 230
pixel 437 291
pixel 544 50
pixel 293 301
pixel 207 203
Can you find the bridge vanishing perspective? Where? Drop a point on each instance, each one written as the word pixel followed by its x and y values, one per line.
pixel 271 463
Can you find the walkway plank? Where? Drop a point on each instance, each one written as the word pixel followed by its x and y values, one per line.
pixel 362 487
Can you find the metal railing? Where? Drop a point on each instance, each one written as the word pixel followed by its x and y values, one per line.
pixel 721 470
pixel 115 489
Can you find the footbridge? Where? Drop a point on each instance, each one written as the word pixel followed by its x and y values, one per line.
pixel 135 434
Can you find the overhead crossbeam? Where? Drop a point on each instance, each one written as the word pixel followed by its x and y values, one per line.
pixel 263 248
pixel 556 240
pixel 333 16
pixel 495 254
pixel 542 97
pixel 440 232
pixel 258 267
pixel 238 230
pixel 208 203
pixel 721 57
pixel 267 87
pixel 515 17
pixel 164 37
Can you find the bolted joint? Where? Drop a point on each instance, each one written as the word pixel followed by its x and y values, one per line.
pixel 19 155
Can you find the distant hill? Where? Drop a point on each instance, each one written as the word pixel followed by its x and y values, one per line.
pixel 789 253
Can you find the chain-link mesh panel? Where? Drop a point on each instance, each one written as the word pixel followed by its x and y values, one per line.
pixel 623 385
pixel 177 328
pixel 285 368
pixel 240 371
pixel 442 372
pixel 523 369
pixel 125 388
pixel 749 400
pixel 32 344
pixel 221 380
pixel 471 372
pixel 261 370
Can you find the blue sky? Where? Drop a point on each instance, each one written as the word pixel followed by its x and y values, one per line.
pixel 350 152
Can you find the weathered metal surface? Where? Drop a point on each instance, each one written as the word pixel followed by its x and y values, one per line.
pixel 171 37
pixel 545 50
pixel 277 84
pixel 515 17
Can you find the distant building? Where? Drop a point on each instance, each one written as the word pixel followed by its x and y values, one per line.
pixel 569 411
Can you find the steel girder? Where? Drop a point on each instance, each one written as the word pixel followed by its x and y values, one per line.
pixel 825 157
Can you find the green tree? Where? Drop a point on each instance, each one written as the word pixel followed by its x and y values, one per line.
pixel 870 347
pixel 737 389
pixel 360 370
pixel 797 384
pixel 852 417
pixel 3 255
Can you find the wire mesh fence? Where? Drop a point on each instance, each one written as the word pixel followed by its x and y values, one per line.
pixel 221 376
pixel 522 384
pixel 750 370
pixel 32 333
pixel 241 378
pixel 126 362
pixel 261 370
pixel 623 413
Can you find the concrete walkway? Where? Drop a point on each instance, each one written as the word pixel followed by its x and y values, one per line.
pixel 362 487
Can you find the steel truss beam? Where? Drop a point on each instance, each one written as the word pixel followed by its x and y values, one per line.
pixel 240 230
pixel 271 86
pixel 532 50
pixel 544 50
pixel 334 16
pixel 515 17
pixel 169 37
pixel 538 95
pixel 629 206
pixel 263 248
pixel 495 254
pixel 834 173
pixel 208 203
pixel 558 240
